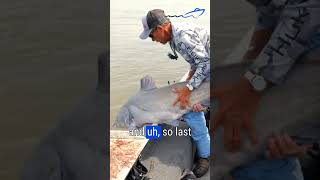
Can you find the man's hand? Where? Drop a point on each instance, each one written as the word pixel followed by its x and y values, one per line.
pixel 237 108
pixel 183 97
pixel 198 108
pixel 280 146
pixel 191 73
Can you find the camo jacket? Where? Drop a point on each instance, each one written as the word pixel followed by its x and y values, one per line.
pixel 296 31
pixel 193 44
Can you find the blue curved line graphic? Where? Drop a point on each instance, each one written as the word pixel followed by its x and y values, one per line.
pixel 190 14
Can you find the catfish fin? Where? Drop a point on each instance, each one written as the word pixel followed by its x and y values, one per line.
pixel 147 83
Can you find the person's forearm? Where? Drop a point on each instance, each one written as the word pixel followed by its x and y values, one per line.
pixel 190 74
pixel 258 40
pixel 266 21
pixel 274 62
pixel 286 45
pixel 203 70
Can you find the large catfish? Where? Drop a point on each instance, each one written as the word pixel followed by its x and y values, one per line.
pixel 155 105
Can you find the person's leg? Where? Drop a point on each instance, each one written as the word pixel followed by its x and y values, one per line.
pixel 201 138
pixel 199 133
pixel 276 169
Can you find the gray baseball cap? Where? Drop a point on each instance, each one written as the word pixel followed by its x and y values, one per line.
pixel 151 20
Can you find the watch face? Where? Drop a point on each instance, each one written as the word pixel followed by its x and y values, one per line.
pixel 259 83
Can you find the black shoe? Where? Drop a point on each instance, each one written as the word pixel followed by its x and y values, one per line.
pixel 201 167
pixel 187 175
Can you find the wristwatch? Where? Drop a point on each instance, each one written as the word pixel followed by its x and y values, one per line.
pixel 257 81
pixel 190 87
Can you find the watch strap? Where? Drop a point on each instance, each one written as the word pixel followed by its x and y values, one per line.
pixel 190 87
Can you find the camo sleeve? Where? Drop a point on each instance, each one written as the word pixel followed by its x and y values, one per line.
pixel 194 52
pixel 267 15
pixel 291 39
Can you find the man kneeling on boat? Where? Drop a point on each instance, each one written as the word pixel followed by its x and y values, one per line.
pixel 193 44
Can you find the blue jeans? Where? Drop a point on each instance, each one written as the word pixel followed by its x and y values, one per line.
pixel 199 132
pixel 276 169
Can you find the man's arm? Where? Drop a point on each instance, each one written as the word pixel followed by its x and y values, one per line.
pixel 202 72
pixel 190 74
pixel 195 53
pixel 238 102
pixel 258 40
pixel 266 21
pixel 287 44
